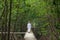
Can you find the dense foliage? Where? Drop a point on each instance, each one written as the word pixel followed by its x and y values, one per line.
pixel 43 14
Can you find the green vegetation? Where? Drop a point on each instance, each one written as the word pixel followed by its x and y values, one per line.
pixel 43 14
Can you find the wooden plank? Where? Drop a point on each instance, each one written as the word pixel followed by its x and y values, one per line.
pixel 14 32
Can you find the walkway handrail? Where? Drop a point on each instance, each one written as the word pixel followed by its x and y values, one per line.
pixel 13 32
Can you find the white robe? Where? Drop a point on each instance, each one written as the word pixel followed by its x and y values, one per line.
pixel 29 27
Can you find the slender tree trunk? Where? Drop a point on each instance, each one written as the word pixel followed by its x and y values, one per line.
pixel 9 23
pixel 4 20
pixel 6 15
pixel 2 23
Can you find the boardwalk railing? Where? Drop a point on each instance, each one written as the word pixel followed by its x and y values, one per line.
pixel 13 32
